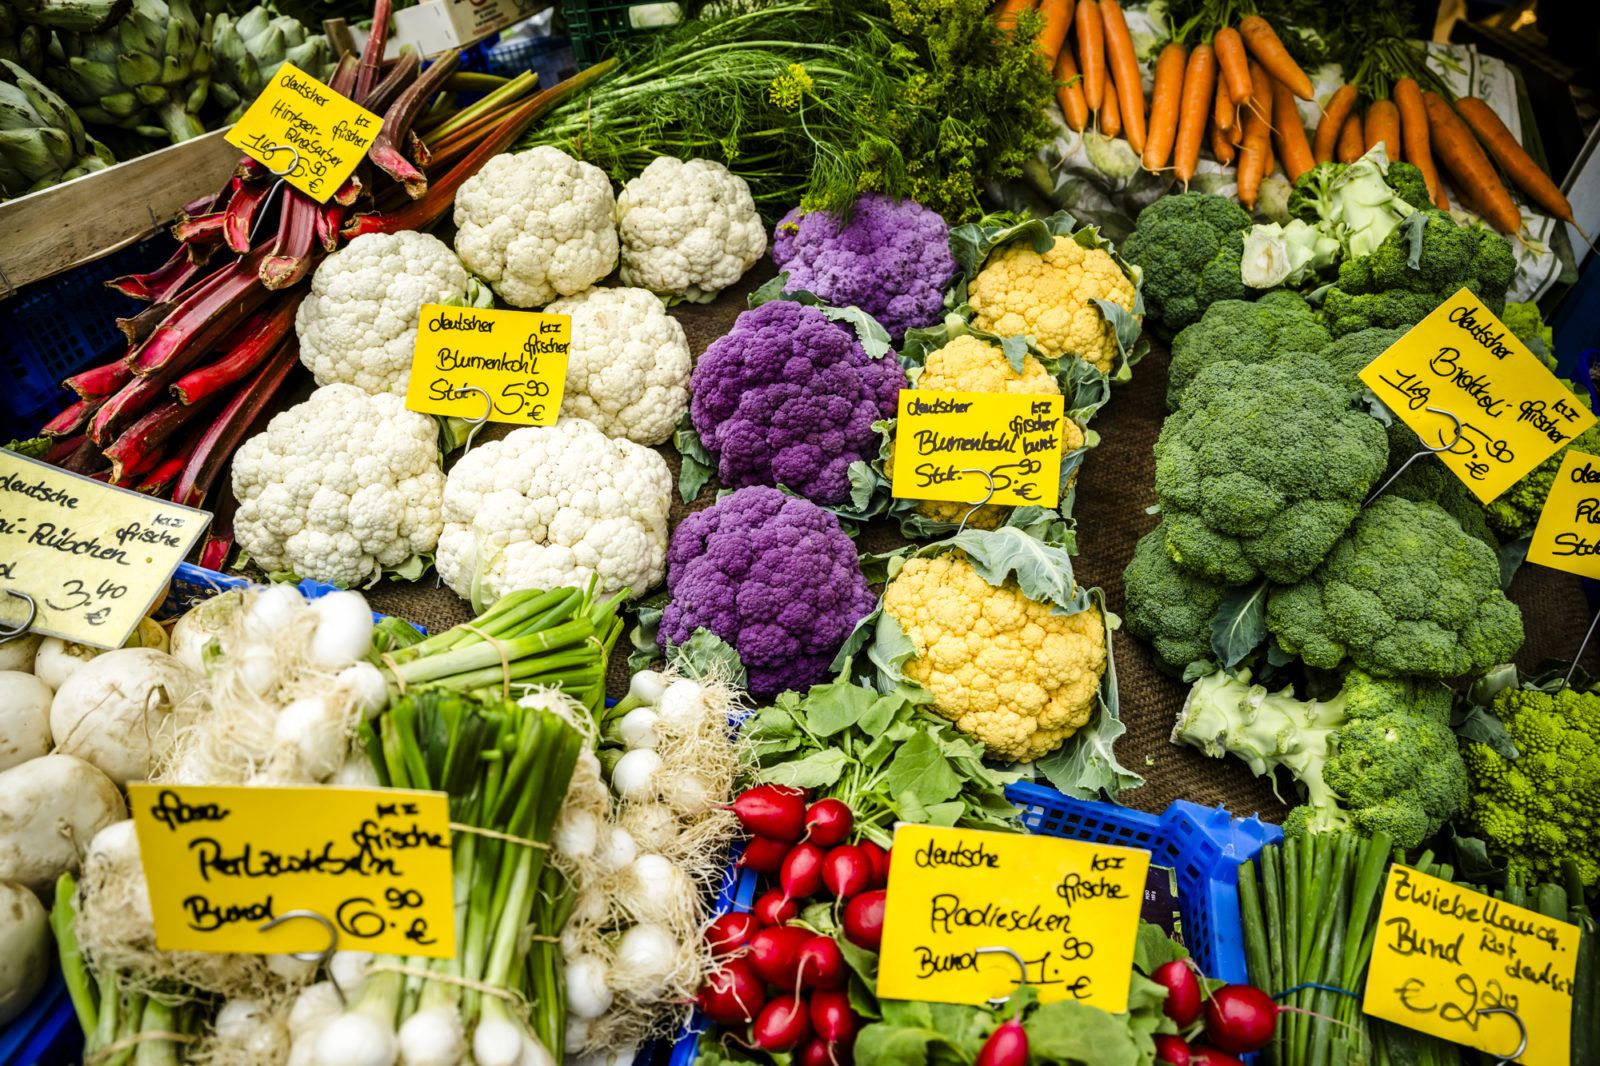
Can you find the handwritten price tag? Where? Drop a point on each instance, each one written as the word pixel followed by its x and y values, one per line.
pixel 518 357
pixel 941 437
pixel 1445 955
pixel 1069 908
pixel 1514 413
pixel 303 130
pixel 94 558
pixel 221 861
pixel 1566 537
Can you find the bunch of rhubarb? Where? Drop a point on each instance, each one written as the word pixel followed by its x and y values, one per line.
pixel 210 356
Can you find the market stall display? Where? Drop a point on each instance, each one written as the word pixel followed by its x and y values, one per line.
pixel 757 245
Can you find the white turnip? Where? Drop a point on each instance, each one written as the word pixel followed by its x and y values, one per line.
pixel 112 712
pixel 57 659
pixel 50 808
pixel 203 624
pixel 18 653
pixel 26 950
pixel 24 718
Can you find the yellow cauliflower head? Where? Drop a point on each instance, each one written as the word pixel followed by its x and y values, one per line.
pixel 967 364
pixel 998 664
pixel 1046 297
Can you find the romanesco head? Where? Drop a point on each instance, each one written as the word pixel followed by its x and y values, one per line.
pixel 1047 297
pixel 999 665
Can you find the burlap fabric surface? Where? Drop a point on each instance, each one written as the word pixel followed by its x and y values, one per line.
pixel 1114 489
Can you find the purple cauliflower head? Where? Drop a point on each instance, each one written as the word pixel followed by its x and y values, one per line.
pixel 788 397
pixel 775 577
pixel 892 260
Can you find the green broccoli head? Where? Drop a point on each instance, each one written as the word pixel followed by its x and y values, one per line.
pixel 1189 247
pixel 1377 757
pixel 1243 331
pixel 1167 606
pixel 1515 512
pixel 1429 479
pixel 1349 355
pixel 1406 593
pixel 1544 805
pixel 1312 190
pixel 1262 469
pixel 1408 183
pixel 1382 289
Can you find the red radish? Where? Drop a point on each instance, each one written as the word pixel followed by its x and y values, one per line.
pixel 773 909
pixel 1172 1051
pixel 847 871
pixel 782 1026
pixel 1006 1046
pixel 822 965
pixel 814 1053
pixel 730 932
pixel 863 919
pixel 1183 992
pixel 828 822
pixel 801 875
pixel 776 812
pixel 1240 1019
pixel 775 954
pixel 880 862
pixel 1200 1055
pixel 831 1016
pixel 765 856
pixel 732 994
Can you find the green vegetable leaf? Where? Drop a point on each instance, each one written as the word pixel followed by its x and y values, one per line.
pixel 1240 624
pixel 945 814
pixel 817 770
pixel 832 708
pixel 884 1044
pixel 1474 722
pixel 698 465
pixel 1069 1031
pixel 1087 763
pixel 1043 571
pixel 1016 349
pixel 889 651
pixel 1154 948
pixel 647 614
pixel 705 654
pixel 920 767
pixel 1512 555
pixel 1414 226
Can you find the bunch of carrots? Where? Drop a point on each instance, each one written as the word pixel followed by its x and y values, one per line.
pixel 1237 89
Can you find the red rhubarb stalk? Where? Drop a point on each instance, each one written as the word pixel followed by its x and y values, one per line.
pixel 401 74
pixel 62 448
pixel 245 353
pixel 417 149
pixel 85 460
pixel 211 453
pixel 127 406
pixel 166 472
pixel 135 449
pixel 291 258
pixel 329 216
pixel 144 286
pixel 251 169
pixel 70 422
pixel 372 55
pixel 199 322
pixel 99 382
pixel 206 229
pixel 241 214
pixel 350 190
pixel 422 213
pixel 385 150
pixel 198 207
pixel 140 325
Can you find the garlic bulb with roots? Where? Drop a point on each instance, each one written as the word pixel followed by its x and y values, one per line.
pixel 682 707
pixel 356 1039
pixel 433 1036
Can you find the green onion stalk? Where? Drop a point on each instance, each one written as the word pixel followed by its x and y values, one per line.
pixel 112 1014
pixel 559 638
pixel 506 769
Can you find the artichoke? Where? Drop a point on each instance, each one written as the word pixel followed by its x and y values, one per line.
pixel 78 16
pixel 22 43
pixel 42 142
pixel 149 73
pixel 246 52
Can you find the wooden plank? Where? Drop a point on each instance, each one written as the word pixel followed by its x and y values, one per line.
pixel 52 230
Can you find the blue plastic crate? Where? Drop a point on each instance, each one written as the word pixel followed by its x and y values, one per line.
pixel 1204 846
pixel 57 327
pixel 551 58
pixel 47 1033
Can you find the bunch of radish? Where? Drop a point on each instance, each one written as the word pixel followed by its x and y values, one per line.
pixel 1217 1025
pixel 780 983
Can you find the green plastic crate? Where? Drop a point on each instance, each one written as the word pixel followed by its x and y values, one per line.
pixel 594 24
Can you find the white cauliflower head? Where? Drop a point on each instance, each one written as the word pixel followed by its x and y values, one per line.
pixel 340 488
pixel 536 225
pixel 628 365
pixel 358 324
pixel 548 506
pixel 689 229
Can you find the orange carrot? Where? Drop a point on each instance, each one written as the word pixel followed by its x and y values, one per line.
pixel 1514 159
pixel 1452 142
pixel 1414 136
pixel 1339 107
pixel 1253 153
pixel 1123 62
pixel 1260 100
pixel 1264 44
pixel 1069 91
pixel 1199 81
pixel 1292 146
pixel 1090 41
pixel 1006 11
pixel 1224 114
pixel 1165 98
pixel 1233 62
pixel 1110 113
pixel 1221 147
pixel 1270 161
pixel 1057 21
pixel 1350 139
pixel 1383 124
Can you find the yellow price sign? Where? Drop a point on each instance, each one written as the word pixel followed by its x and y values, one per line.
pixel 1461 359
pixel 1566 537
pixel 1451 962
pixel 518 359
pixel 946 441
pixel 1069 908
pixel 94 559
pixel 305 132
pixel 222 861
